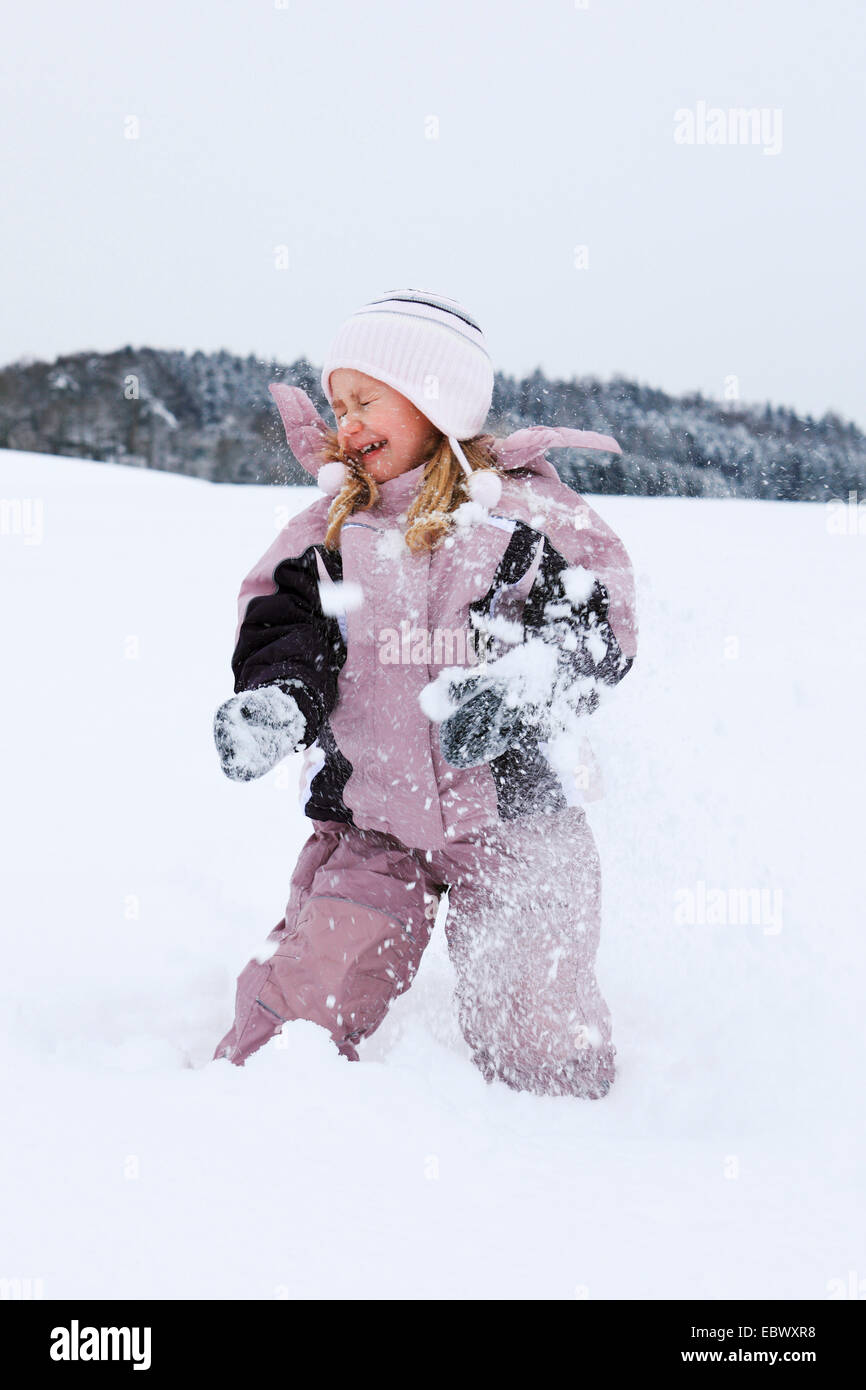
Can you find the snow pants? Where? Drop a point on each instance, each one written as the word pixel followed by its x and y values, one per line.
pixel 524 903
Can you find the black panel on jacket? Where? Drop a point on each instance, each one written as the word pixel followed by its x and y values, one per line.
pixel 525 782
pixel 285 635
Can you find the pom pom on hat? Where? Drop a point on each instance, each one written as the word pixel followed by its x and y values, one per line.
pixel 332 478
pixel 485 487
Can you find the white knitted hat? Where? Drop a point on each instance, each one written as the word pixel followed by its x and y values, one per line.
pixel 428 348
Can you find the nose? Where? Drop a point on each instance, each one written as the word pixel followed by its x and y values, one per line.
pixel 349 424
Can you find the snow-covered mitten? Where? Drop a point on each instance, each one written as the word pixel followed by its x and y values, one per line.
pixel 254 730
pixel 480 715
pixel 483 726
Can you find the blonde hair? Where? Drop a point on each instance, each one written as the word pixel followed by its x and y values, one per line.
pixel 442 489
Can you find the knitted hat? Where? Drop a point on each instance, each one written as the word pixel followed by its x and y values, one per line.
pixel 432 351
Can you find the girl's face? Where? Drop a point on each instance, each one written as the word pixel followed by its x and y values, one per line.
pixel 369 412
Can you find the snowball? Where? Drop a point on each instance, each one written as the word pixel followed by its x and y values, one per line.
pixel 578 584
pixel 469 513
pixel 331 477
pixel 434 699
pixel 340 597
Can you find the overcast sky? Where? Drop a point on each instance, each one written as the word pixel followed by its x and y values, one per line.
pixel 466 146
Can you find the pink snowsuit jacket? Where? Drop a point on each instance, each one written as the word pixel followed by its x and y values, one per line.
pixel 373 757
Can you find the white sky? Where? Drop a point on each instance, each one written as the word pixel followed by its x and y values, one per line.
pixel 306 127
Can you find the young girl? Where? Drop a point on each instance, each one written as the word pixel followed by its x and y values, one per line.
pixel 431 632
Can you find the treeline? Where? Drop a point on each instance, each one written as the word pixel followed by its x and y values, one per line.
pixel 210 415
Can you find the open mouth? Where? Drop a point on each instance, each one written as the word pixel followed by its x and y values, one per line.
pixel 370 450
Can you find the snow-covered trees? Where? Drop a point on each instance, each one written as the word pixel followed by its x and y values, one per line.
pixel 210 414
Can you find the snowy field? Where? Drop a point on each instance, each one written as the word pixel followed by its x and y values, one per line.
pixel 728 1159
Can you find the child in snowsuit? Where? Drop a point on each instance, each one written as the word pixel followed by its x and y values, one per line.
pixel 432 631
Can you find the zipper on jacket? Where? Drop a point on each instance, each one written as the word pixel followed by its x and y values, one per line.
pixel 270 1010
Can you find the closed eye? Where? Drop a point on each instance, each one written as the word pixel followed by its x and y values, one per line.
pixel 340 413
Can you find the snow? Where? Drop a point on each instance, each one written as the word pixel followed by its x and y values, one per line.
pixel 529 669
pixel 435 698
pixel 492 625
pixel 470 513
pixel 340 596
pixel 727 1160
pixel 391 544
pixel 578 583
pixel 256 729
pixel 59 381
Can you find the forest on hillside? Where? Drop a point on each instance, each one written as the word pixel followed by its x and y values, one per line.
pixel 210 415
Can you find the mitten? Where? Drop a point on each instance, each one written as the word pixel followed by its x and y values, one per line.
pixel 483 713
pixel 254 730
pixel 483 725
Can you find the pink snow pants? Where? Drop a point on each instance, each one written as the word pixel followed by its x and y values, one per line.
pixel 522 932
